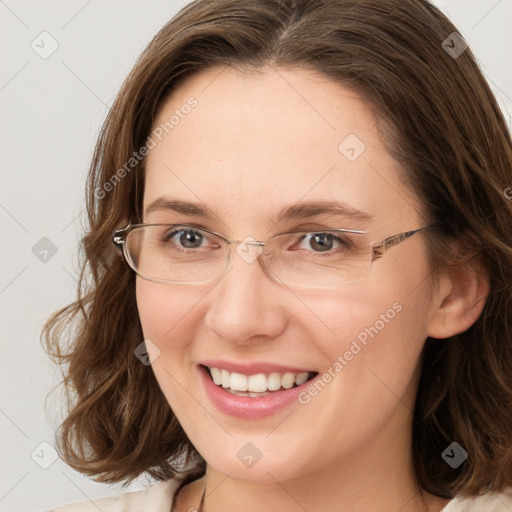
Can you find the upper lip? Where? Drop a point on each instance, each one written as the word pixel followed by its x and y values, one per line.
pixel 252 368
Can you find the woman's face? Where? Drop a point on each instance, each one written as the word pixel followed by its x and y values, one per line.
pixel 246 147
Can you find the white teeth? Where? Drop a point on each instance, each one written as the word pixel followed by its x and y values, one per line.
pixel 238 381
pixel 301 378
pixel 216 375
pixel 274 381
pixel 242 393
pixel 225 378
pixel 288 380
pixel 256 385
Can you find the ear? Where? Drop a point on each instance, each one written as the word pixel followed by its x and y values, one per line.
pixel 459 299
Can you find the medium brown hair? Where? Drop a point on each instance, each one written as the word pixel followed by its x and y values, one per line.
pixel 444 127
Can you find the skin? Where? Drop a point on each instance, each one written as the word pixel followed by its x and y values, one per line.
pixel 254 143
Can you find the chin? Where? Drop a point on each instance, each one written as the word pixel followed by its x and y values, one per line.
pixel 243 460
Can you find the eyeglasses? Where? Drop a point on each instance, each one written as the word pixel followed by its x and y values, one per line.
pixel 185 254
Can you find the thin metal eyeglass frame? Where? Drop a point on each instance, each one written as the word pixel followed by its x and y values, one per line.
pixel 378 248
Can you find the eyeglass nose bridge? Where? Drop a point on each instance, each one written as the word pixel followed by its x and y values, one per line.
pixel 243 250
pixel 246 241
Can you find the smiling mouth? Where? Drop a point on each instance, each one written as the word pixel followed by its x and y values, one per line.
pixel 257 385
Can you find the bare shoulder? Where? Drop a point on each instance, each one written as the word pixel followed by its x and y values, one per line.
pixel 157 498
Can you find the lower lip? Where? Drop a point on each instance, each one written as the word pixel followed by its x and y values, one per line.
pixel 248 407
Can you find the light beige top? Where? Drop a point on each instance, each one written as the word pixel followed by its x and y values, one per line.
pixel 159 498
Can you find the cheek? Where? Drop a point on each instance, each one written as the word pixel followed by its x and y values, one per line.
pixel 168 316
pixel 337 318
pixel 369 362
pixel 159 308
pixel 380 324
pixel 390 329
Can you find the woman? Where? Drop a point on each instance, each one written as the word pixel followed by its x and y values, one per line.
pixel 300 258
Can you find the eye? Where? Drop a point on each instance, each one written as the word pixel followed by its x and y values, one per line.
pixel 186 238
pixel 323 242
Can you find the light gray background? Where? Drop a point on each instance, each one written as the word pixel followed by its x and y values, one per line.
pixel 52 110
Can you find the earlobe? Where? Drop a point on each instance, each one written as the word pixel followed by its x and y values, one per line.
pixel 460 299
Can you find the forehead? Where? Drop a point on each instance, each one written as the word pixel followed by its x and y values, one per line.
pixel 254 142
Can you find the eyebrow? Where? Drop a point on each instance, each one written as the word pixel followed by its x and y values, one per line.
pixel 301 210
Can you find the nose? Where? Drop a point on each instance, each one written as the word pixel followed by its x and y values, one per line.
pixel 246 303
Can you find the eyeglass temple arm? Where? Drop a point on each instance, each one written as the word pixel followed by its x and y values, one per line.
pixel 379 249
